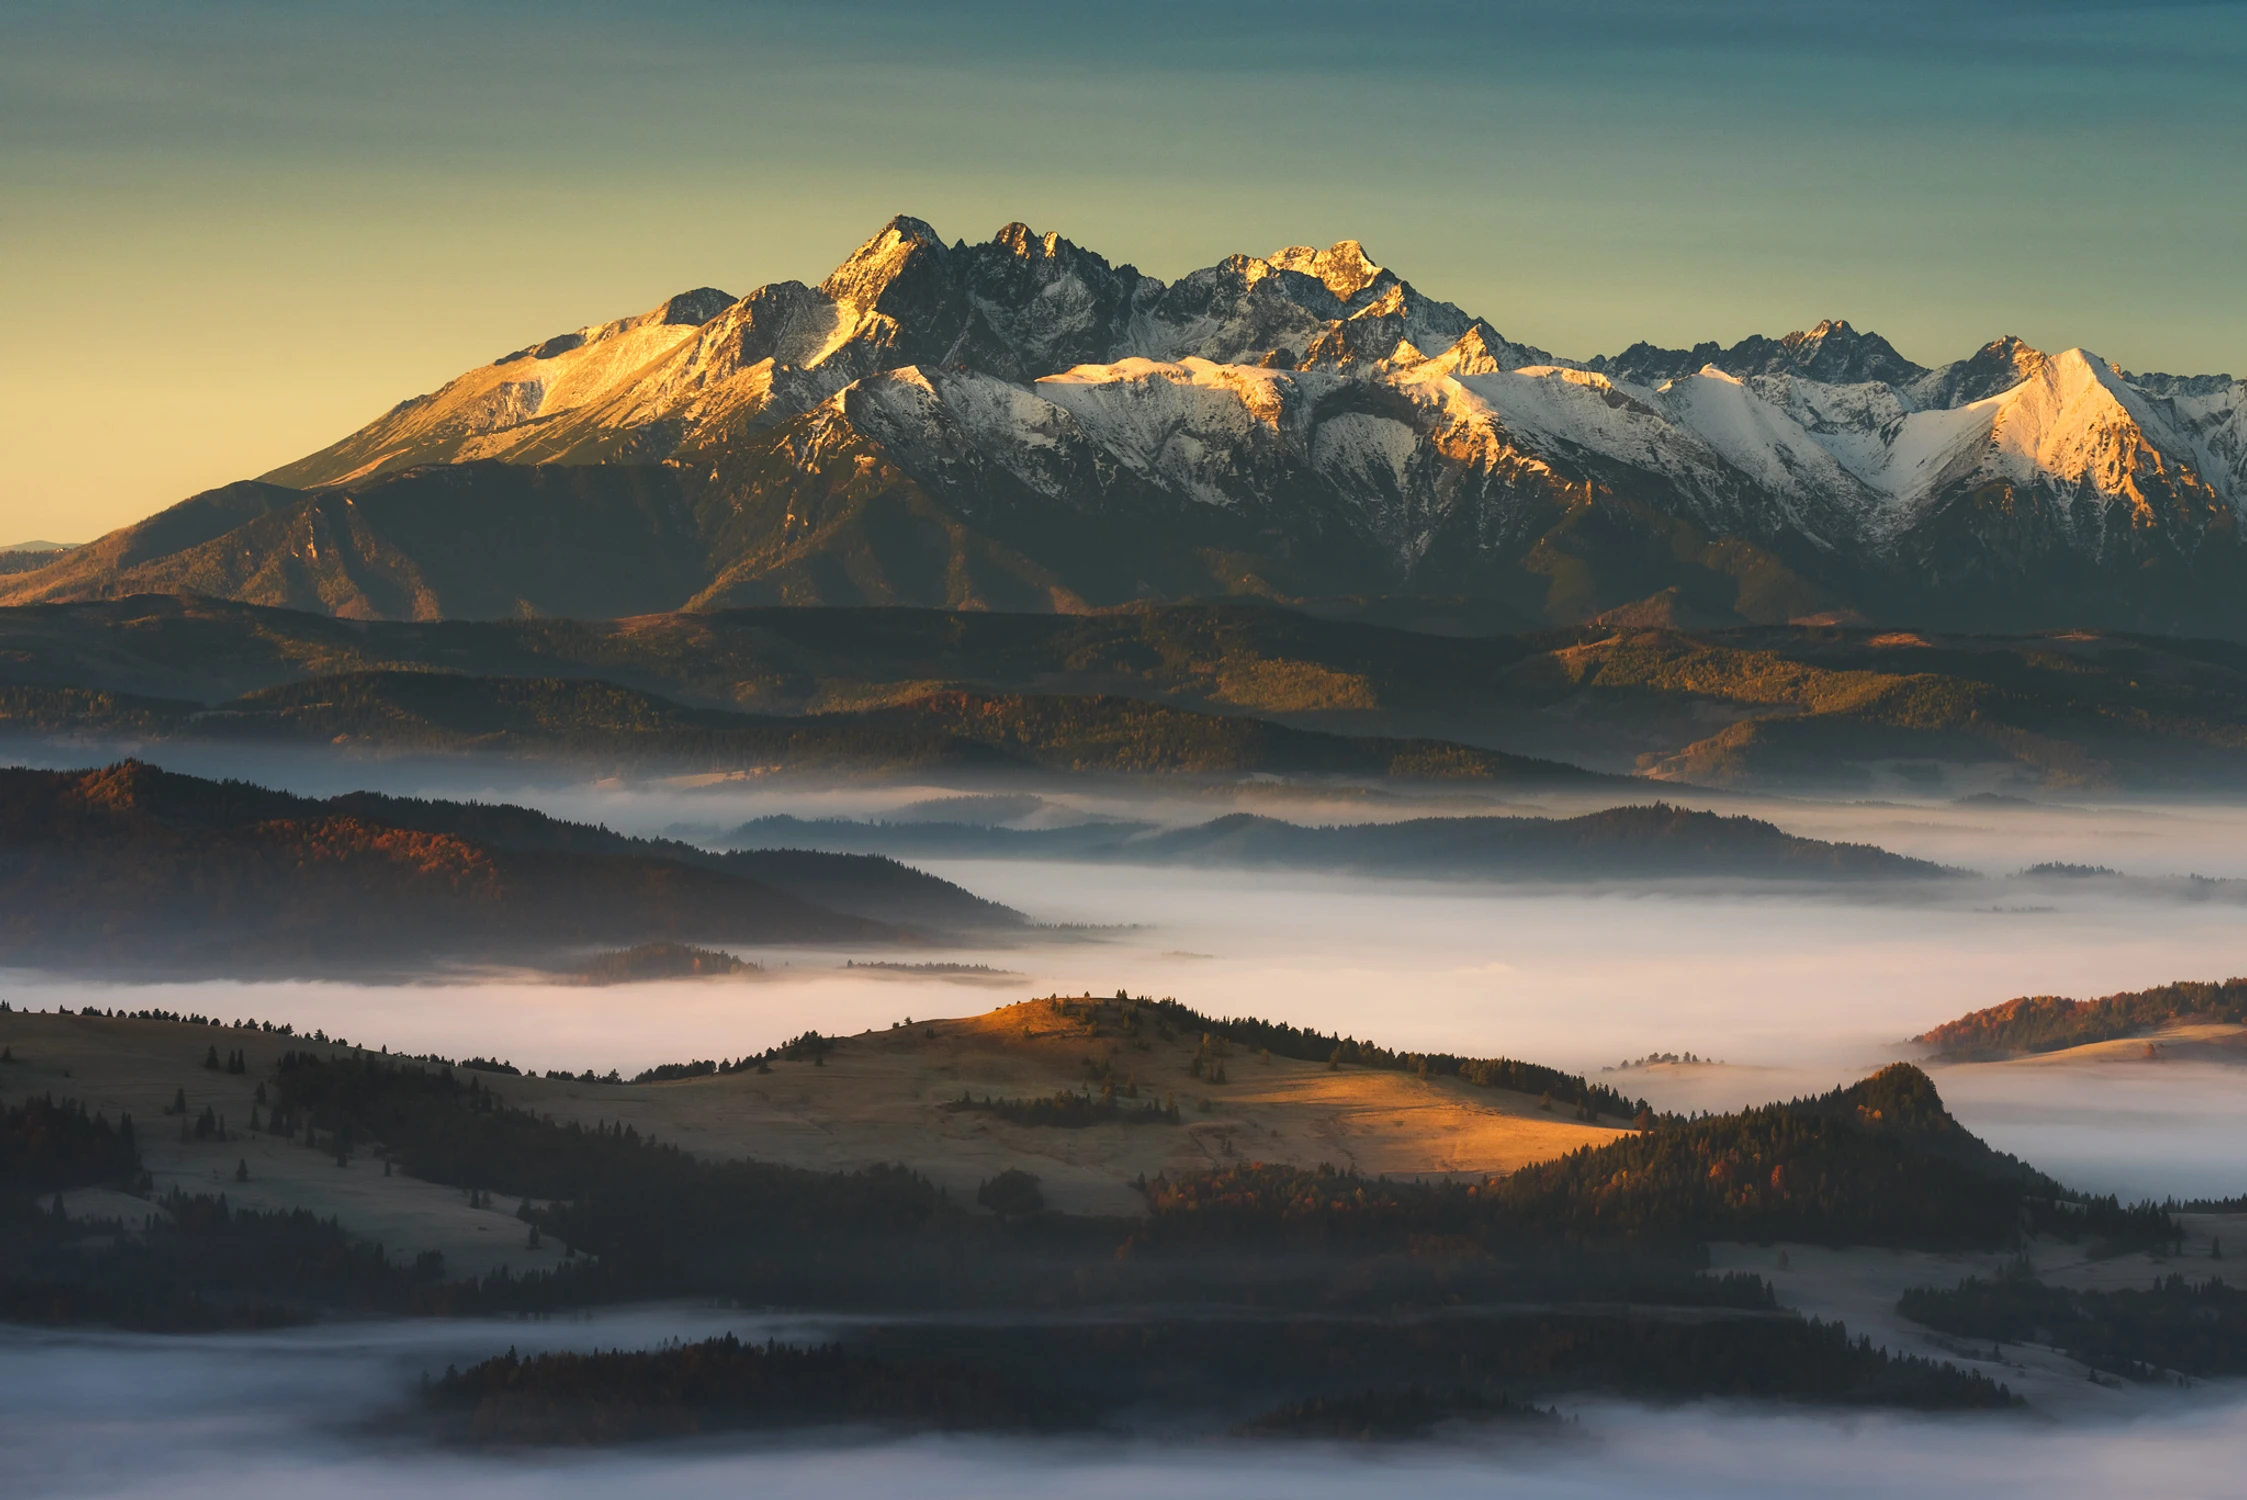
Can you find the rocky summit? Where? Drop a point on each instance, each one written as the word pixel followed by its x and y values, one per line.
pixel 1022 425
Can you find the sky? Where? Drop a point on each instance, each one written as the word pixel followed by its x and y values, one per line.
pixel 232 232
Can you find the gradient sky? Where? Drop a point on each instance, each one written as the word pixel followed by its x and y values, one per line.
pixel 234 231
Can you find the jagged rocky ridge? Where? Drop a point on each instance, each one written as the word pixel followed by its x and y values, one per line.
pixel 1020 424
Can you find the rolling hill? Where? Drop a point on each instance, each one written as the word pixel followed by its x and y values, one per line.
pixel 1778 707
pixel 2054 1023
pixel 583 719
pixel 131 868
pixel 1657 842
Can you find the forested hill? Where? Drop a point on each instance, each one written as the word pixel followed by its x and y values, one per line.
pixel 1774 707
pixel 1647 842
pixel 2050 1023
pixel 1879 1163
pixel 132 866
pixel 862 884
pixel 587 719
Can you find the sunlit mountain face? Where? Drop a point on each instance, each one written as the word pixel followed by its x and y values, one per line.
pixel 1020 424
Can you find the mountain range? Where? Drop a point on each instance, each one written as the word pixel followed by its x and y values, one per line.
pixel 1021 425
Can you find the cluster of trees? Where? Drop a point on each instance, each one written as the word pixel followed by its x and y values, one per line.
pixel 663 959
pixel 648 1206
pixel 196 1263
pixel 1066 1111
pixel 1221 1361
pixel 193 1018
pixel 1128 1016
pixel 715 1385
pixel 1408 1412
pixel 2048 1023
pixel 49 1146
pixel 2191 1327
pixel 1766 1174
pixel 1880 1163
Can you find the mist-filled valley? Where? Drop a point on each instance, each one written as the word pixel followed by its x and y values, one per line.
pixel 305 1412
pixel 1193 1131
pixel 1132 858
pixel 1790 985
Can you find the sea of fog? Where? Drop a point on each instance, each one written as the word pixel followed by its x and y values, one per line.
pixel 1792 989
pixel 318 1413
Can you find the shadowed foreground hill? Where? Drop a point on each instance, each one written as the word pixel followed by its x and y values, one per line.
pixel 131 866
pixel 1880 1162
pixel 1225 1273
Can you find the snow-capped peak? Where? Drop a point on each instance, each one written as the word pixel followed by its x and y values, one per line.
pixel 871 269
pixel 1316 378
pixel 1343 267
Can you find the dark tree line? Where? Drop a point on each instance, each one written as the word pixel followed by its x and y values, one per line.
pixel 47 1146
pixel 2193 1327
pixel 1880 1163
pixel 1128 1016
pixel 716 1385
pixel 1066 1111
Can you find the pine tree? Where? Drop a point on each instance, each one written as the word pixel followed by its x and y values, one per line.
pixel 210 1058
pixel 242 1170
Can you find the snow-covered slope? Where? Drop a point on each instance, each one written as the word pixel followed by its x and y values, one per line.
pixel 1310 416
